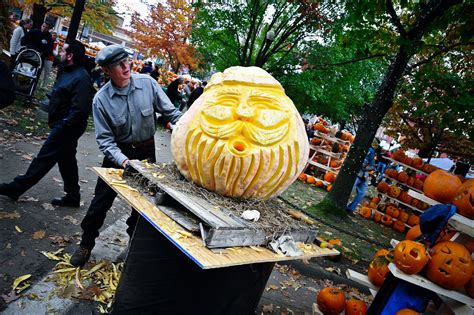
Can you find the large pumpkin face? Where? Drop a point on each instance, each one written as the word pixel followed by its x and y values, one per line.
pixel 464 199
pixel 450 265
pixel 331 301
pixel 410 257
pixel 441 186
pixel 243 137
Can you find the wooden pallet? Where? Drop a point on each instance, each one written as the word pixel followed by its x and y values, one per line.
pixel 220 227
pixel 192 245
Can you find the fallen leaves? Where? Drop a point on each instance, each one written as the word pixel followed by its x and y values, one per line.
pixel 9 215
pixel 16 283
pixel 47 206
pixel 71 219
pixel 17 228
pixel 39 234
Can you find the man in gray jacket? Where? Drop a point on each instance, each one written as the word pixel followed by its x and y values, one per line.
pixel 124 117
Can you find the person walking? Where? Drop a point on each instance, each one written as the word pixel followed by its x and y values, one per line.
pixel 48 62
pixel 124 118
pixel 68 109
pixel 15 41
pixel 40 40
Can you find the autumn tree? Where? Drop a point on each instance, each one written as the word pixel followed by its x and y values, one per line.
pixel 402 32
pixel 166 33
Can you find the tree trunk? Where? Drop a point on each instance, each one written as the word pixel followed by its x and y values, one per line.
pixel 75 19
pixel 39 12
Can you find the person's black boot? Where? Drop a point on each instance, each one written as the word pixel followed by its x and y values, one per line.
pixel 66 201
pixel 6 190
pixel 80 256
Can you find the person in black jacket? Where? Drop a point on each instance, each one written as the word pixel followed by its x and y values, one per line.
pixel 173 91
pixel 7 88
pixel 40 40
pixel 68 109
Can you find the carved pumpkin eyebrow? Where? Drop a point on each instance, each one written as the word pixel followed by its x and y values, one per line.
pixel 260 95
pixel 228 92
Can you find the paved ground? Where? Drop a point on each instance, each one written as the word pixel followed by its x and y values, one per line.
pixel 32 225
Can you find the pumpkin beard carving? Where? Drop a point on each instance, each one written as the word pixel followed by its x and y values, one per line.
pixel 242 138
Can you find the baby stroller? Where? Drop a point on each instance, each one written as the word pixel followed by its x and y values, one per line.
pixel 26 72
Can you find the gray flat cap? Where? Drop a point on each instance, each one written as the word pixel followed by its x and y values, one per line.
pixel 110 54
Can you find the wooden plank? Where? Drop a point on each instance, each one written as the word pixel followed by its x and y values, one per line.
pixel 422 197
pixel 191 245
pixel 360 278
pixel 400 202
pixel 456 307
pixel 217 238
pixel 427 284
pixel 333 139
pixel 324 167
pixel 182 218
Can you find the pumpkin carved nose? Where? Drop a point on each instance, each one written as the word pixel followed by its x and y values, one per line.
pixel 244 111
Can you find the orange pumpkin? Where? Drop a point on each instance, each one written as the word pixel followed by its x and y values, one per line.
pixel 335 163
pixel 383 187
pixel 375 200
pixel 365 212
pixel 413 220
pixel 413 233
pixel 372 205
pixel 329 177
pixel 394 191
pixel 417 163
pixel 319 183
pixel 411 181
pixel 403 177
pixel 399 226
pixel 316 141
pixel 399 155
pixel 381 252
pixel 303 177
pixel 418 184
pixel 310 180
pixel 331 301
pixel 428 168
pixel 405 197
pixel 407 311
pixel 464 199
pixel 404 216
pixel 422 205
pixel 378 270
pixel 386 220
pixel 320 127
pixel 410 257
pixel 377 216
pixel 408 161
pixel 414 202
pixel 450 266
pixel 393 211
pixel 355 307
pixel 441 186
pixel 329 188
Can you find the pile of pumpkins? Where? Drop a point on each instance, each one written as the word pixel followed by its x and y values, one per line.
pixel 388 214
pixel 397 193
pixel 417 162
pixel 403 177
pixel 447 188
pixel 447 263
pixel 329 177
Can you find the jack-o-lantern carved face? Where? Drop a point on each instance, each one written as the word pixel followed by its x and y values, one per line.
pixel 243 137
pixel 410 257
pixel 450 265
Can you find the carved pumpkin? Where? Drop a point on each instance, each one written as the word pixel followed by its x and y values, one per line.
pixel 464 200
pixel 310 180
pixel 393 211
pixel 441 186
pixel 331 301
pixel 418 184
pixel 303 177
pixel 330 177
pixel 408 161
pixel 355 307
pixel 404 216
pixel 394 191
pixel 377 216
pixel 428 168
pixel 319 127
pixel 402 177
pixel 407 311
pixel 411 181
pixel 405 197
pixel 335 163
pixel 413 220
pixel 386 220
pixel 399 156
pixel 417 163
pixel 410 257
pixel 422 205
pixel 450 265
pixel 316 141
pixel 383 187
pixel 372 205
pixel 378 270
pixel 243 137
pixel 365 212
pixel 375 200
pixel 399 226
pixel 414 202
pixel 413 233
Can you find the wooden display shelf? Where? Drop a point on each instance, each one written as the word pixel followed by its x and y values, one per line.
pixel 427 284
pixel 401 202
pixel 333 139
pixel 407 166
pixel 325 152
pixel 457 221
pixel 404 184
pixel 393 219
pixel 324 167
pixel 192 245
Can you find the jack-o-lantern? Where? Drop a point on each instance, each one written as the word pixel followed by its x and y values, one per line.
pixel 365 212
pixel 411 181
pixel 393 211
pixel 377 216
pixel 410 257
pixel 450 265
pixel 303 177
pixel 331 301
pixel 243 137
pixel 464 199
pixel 422 205
pixel 355 307
pixel 441 186
pixel 417 163
pixel 330 177
pixel 399 156
pixel 378 270
pixel 383 187
pixel 386 220
pixel 414 202
pixel 394 191
pixel 404 216
pixel 316 141
pixel 428 168
pixel 403 177
pixel 418 184
pixel 408 161
pixel 405 197
pixel 399 226
pixel 413 220
pixel 413 233
pixel 375 200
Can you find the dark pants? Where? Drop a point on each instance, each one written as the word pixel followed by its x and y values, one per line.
pixel 105 196
pixel 60 147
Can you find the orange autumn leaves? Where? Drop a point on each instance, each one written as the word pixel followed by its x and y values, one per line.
pixel 165 33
